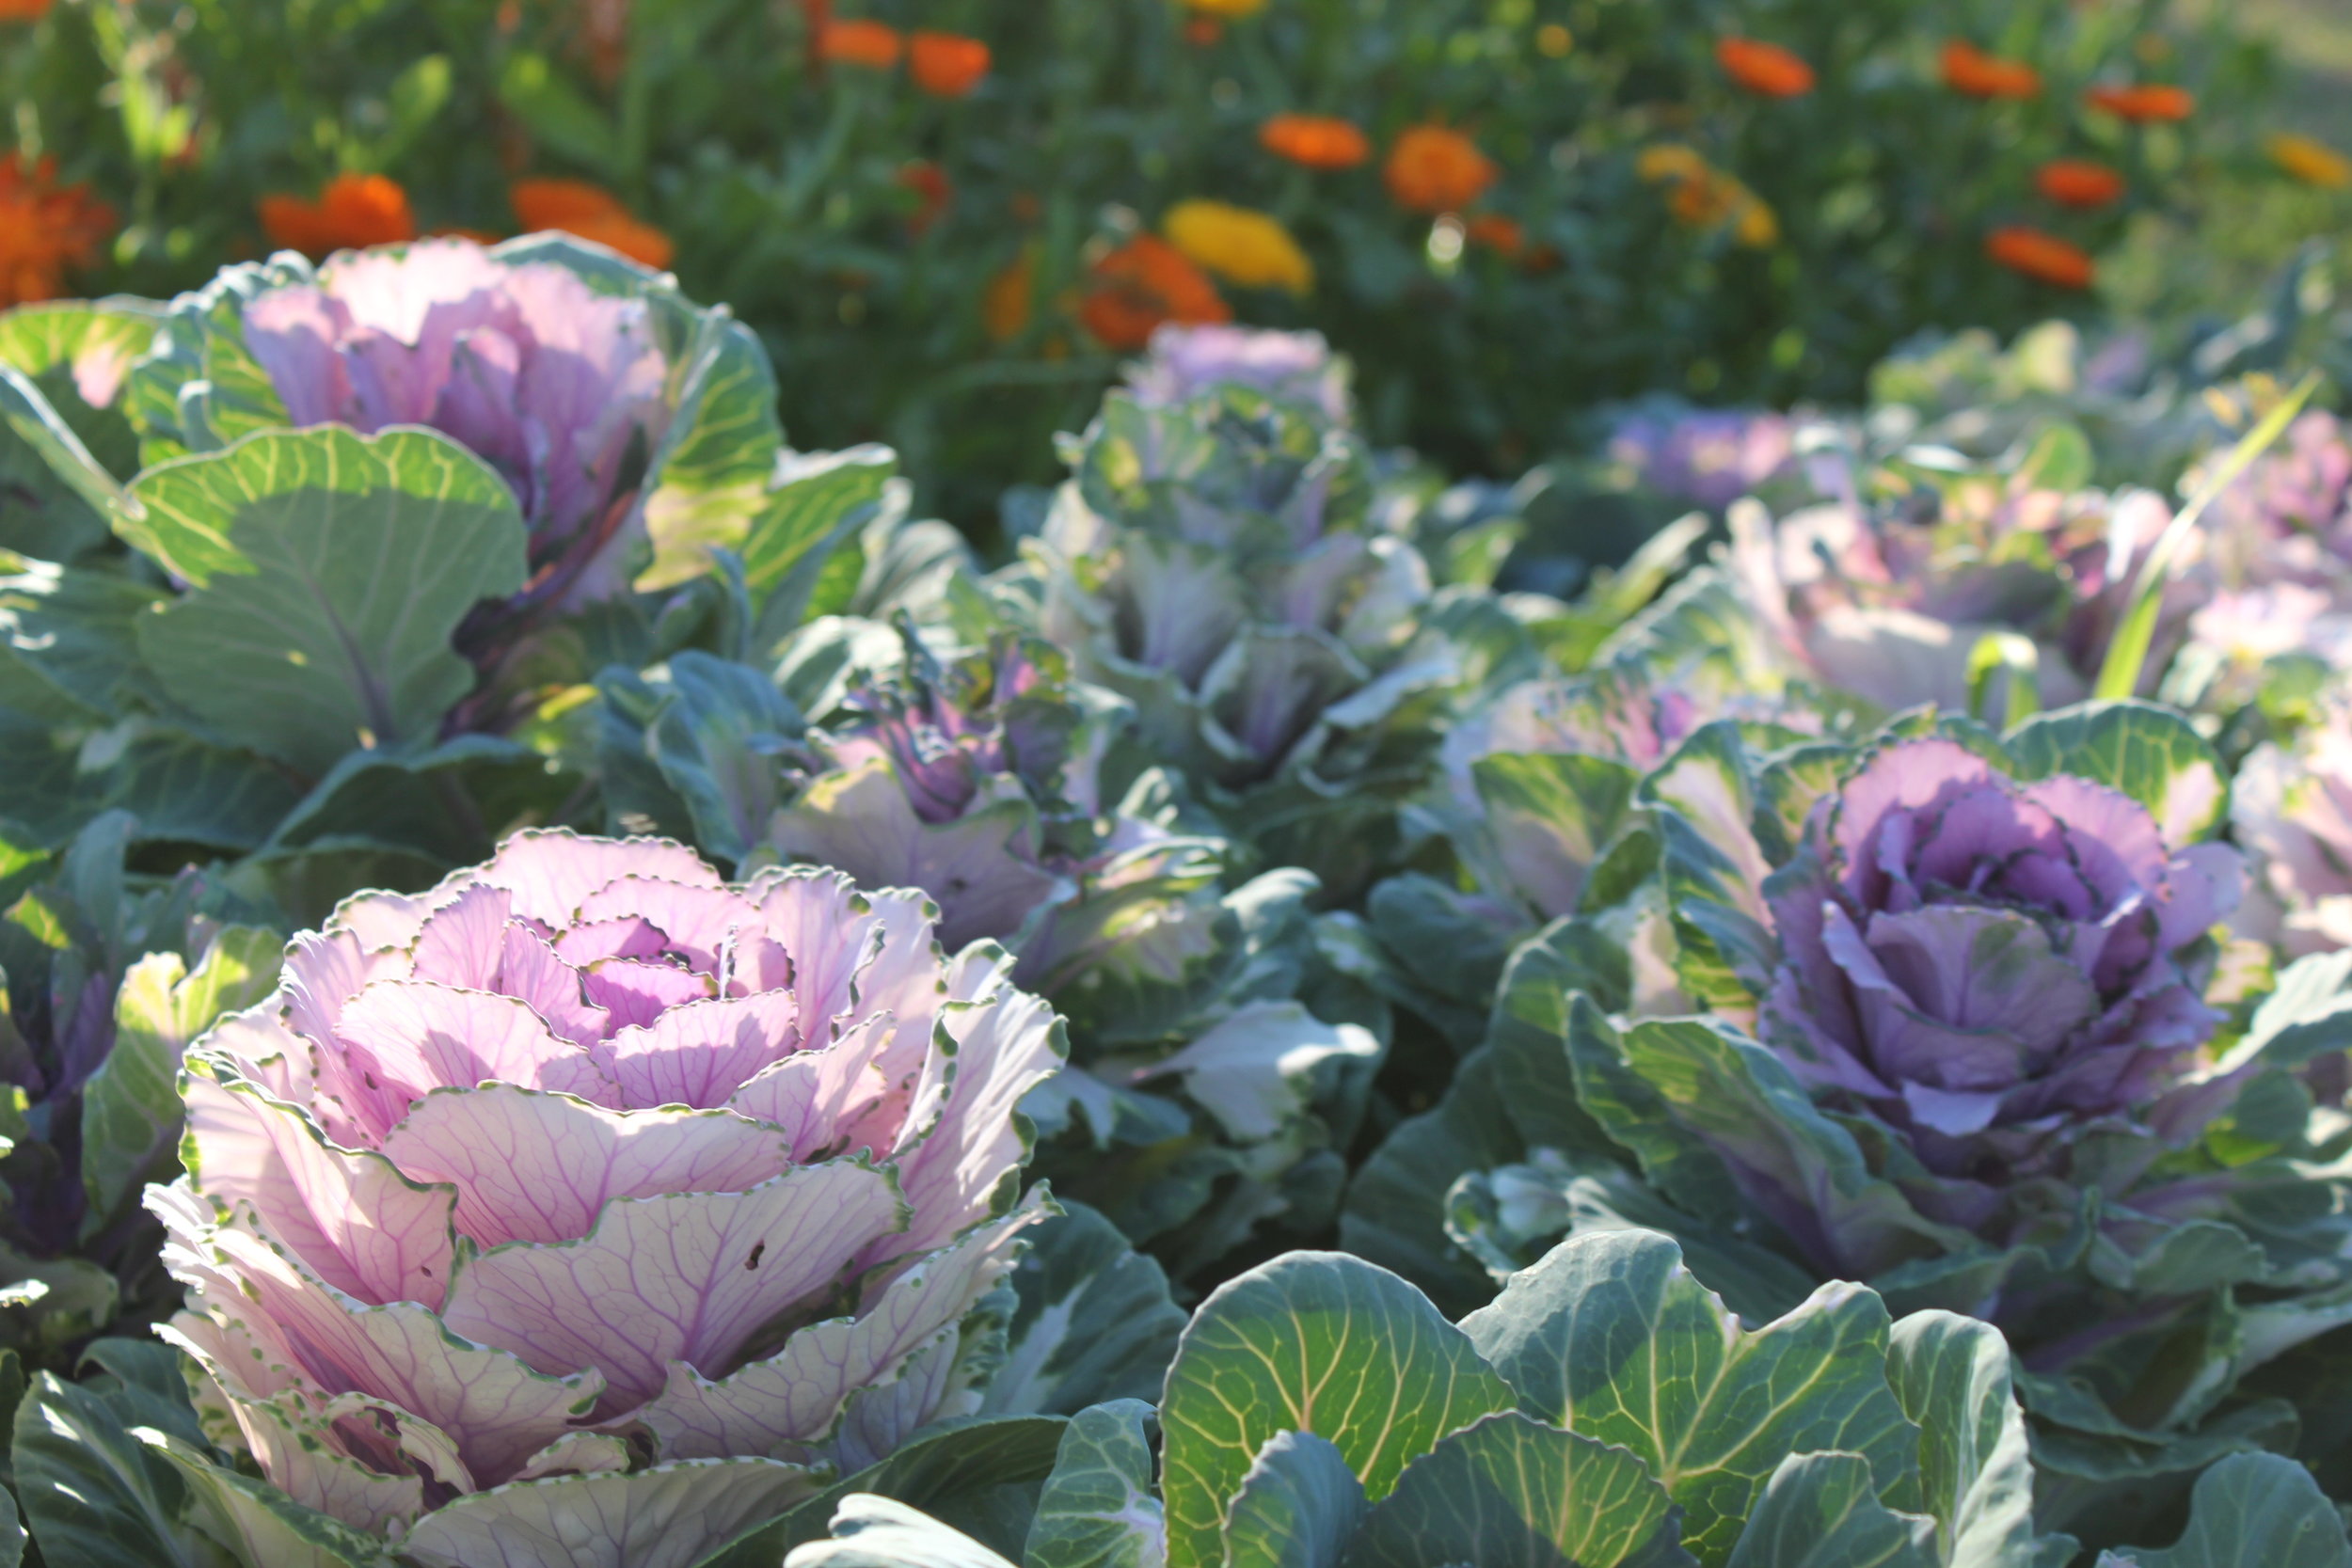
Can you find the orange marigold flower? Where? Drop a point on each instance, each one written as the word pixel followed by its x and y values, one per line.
pixel 1142 286
pixel 933 191
pixel 2043 257
pixel 1434 170
pixel 1766 69
pixel 24 10
pixel 875 46
pixel 1314 141
pixel 1712 199
pixel 1505 236
pixel 589 211
pixel 2314 163
pixel 45 228
pixel 2078 183
pixel 947 65
pixel 1969 70
pixel 1005 303
pixel 353 212
pixel 2145 101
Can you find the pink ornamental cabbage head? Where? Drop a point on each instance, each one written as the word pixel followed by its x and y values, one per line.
pixel 585 1163
pixel 2292 810
pixel 1889 605
pixel 1296 368
pixel 2289 518
pixel 543 377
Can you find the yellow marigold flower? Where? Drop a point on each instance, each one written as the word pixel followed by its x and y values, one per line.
pixel 1670 161
pixel 2314 163
pixel 1226 8
pixel 1756 225
pixel 1239 244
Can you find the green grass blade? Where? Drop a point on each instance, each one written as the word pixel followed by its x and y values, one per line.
pixel 2119 675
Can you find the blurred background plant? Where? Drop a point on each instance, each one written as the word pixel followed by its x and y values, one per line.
pixel 950 220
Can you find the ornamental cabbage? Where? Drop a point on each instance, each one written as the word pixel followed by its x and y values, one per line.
pixel 1966 1043
pixel 549 381
pixel 1539 809
pixel 979 778
pixel 1289 367
pixel 589 1184
pixel 2289 517
pixel 1994 970
pixel 636 429
pixel 2279 569
pixel 1891 600
pixel 1214 561
pixel 1702 456
pixel 107 977
pixel 1605 1411
pixel 2292 810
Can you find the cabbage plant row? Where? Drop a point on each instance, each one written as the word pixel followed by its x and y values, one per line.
pixel 585 989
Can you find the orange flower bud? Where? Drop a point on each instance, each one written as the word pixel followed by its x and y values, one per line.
pixel 2045 258
pixel 589 211
pixel 1971 71
pixel 947 65
pixel 1314 141
pixel 2078 183
pixel 1764 68
pixel 353 212
pixel 873 45
pixel 2149 100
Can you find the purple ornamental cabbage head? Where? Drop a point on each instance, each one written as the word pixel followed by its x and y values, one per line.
pixel 547 380
pixel 977 780
pixel 1296 368
pixel 2292 810
pixel 1702 456
pixel 586 1163
pixel 1989 969
pixel 1872 600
